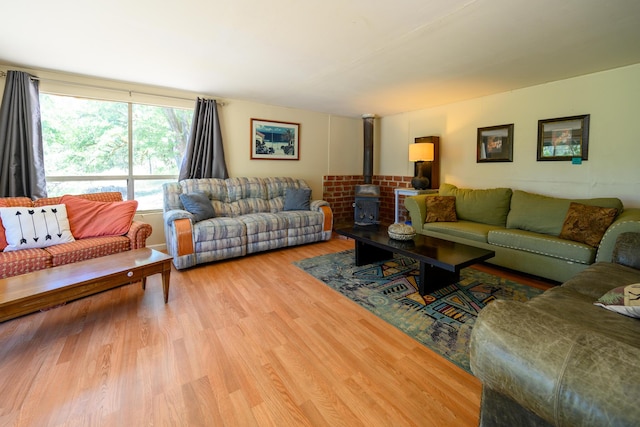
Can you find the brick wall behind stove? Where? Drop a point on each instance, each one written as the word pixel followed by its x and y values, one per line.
pixel 339 191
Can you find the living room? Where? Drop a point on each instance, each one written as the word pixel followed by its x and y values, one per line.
pixel 331 145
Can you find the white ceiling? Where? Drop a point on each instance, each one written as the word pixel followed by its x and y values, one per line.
pixel 345 57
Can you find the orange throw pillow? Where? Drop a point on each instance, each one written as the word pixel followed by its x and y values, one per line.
pixel 92 219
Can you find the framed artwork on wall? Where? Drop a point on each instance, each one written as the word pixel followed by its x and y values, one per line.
pixel 272 140
pixel 565 138
pixel 495 144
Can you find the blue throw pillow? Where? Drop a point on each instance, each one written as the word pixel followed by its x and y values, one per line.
pixel 297 199
pixel 199 205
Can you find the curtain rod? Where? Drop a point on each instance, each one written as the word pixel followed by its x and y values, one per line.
pixel 131 92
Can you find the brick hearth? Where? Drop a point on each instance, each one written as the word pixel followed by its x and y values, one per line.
pixel 339 191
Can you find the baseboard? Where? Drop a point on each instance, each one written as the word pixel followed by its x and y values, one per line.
pixel 161 247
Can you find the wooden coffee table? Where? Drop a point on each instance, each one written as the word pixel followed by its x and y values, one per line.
pixel 440 260
pixel 40 289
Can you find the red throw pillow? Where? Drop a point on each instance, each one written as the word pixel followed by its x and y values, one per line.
pixel 3 239
pixel 92 219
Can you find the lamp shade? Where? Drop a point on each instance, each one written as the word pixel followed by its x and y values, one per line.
pixel 421 152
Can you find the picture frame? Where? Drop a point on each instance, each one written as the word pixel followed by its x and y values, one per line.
pixel 274 140
pixel 495 144
pixel 564 138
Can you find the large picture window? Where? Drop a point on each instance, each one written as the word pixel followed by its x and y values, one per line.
pixel 94 145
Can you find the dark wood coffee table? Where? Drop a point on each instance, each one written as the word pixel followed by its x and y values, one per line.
pixel 440 260
pixel 41 289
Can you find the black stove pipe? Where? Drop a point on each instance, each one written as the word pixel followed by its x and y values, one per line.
pixel 368 147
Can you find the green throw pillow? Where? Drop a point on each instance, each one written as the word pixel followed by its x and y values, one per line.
pixel 490 206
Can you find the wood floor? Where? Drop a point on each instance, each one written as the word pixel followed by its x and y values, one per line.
pixel 252 341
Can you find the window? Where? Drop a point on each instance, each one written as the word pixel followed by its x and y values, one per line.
pixel 93 145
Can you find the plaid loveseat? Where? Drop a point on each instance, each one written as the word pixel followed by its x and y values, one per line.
pixel 13 263
pixel 250 216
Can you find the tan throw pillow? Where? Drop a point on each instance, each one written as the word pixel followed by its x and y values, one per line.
pixel 587 224
pixel 441 209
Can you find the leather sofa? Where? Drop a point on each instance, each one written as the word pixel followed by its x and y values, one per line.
pixel 246 215
pixel 559 359
pixel 13 263
pixel 524 229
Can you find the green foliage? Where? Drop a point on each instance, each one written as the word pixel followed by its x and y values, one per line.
pixel 90 137
pixel 159 139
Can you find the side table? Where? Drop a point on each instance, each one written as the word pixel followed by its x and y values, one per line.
pixel 409 192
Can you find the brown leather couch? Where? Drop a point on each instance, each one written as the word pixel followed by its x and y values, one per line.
pixel 558 359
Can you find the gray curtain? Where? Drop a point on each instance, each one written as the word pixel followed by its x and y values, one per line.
pixel 204 156
pixel 21 156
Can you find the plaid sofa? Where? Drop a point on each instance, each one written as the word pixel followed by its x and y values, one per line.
pixel 13 263
pixel 249 218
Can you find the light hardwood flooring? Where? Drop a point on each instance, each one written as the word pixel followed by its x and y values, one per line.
pixel 252 341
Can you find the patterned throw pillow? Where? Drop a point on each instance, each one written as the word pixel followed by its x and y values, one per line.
pixel 441 209
pixel 624 300
pixel 29 227
pixel 587 224
pixel 6 202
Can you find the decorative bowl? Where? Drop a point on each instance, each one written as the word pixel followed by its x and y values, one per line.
pixel 400 231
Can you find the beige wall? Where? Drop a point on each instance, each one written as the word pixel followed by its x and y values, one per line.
pixel 328 144
pixel 612 98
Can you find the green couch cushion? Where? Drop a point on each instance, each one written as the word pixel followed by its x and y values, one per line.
pixel 545 214
pixel 490 206
pixel 465 229
pixel 543 244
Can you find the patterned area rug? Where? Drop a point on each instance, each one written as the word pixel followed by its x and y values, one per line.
pixel 442 320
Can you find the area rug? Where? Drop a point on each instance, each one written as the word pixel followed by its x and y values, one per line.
pixel 441 321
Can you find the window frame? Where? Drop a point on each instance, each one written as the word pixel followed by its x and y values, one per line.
pixel 97 93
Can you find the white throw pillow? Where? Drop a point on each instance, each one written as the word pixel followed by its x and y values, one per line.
pixel 623 299
pixel 29 227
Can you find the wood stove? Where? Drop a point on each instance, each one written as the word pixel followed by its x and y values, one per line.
pixel 367 196
pixel 367 205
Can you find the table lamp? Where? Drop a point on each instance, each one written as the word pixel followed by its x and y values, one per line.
pixel 421 152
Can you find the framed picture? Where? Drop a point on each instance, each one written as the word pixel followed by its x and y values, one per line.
pixel 275 140
pixel 564 138
pixel 495 144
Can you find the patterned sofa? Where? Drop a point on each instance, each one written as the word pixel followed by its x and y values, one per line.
pixel 248 215
pixel 13 263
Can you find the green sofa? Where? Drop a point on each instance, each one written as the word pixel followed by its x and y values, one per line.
pixel 560 359
pixel 522 228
